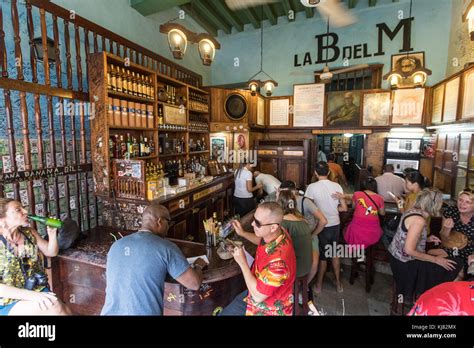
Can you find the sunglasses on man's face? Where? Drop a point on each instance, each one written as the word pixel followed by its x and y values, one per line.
pixel 259 224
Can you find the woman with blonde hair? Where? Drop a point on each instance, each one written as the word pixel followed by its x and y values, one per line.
pixel 23 282
pixel 457 232
pixel 414 270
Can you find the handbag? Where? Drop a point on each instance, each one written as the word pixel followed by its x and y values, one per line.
pixel 456 240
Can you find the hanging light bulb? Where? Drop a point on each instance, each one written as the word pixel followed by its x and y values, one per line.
pixel 269 86
pixel 254 85
pixel 419 78
pixel 207 51
pixel 178 43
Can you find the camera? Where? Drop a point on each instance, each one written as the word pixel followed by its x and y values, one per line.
pixel 37 279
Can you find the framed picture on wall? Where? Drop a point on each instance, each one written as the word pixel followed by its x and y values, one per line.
pixel 451 95
pixel 407 63
pixel 260 111
pixel 437 107
pixel 376 109
pixel 218 147
pixel 407 106
pixel 468 95
pixel 343 109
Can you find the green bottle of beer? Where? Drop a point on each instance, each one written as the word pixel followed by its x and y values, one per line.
pixel 54 223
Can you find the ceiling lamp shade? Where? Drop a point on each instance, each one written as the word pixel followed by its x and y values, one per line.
pixel 468 16
pixel 269 86
pixel 207 48
pixel 179 36
pixel 254 86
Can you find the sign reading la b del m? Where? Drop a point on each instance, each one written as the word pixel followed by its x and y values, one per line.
pixel 330 41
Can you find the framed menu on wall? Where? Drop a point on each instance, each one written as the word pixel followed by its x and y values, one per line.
pixel 468 95
pixel 279 112
pixel 308 110
pixel 260 111
pixel 451 100
pixel 437 109
pixel 407 106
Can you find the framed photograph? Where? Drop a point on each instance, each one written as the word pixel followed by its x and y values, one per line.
pixel 376 109
pixel 343 109
pixel 468 95
pixel 218 147
pixel 451 95
pixel 407 63
pixel 279 112
pixel 407 106
pixel 437 108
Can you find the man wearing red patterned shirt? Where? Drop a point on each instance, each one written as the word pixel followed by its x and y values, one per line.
pixel 270 280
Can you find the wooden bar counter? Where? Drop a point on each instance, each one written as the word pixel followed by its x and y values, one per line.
pixel 78 277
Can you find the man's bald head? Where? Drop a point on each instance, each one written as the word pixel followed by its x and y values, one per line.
pixel 154 217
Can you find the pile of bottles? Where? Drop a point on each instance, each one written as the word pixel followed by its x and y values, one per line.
pixel 130 82
pixel 169 145
pixel 198 102
pixel 172 127
pixel 130 147
pixel 199 145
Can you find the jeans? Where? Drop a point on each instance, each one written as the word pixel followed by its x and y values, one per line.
pixel 237 307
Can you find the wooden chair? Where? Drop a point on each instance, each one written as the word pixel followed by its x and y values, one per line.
pixel 301 287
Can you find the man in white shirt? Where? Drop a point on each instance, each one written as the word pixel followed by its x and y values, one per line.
pixel 389 182
pixel 321 193
pixel 269 182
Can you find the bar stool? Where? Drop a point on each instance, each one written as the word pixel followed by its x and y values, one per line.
pixel 369 269
pixel 301 287
pixel 399 308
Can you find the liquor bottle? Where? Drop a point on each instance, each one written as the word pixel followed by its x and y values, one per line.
pixel 124 81
pixel 113 78
pixel 152 88
pixel 129 145
pixel 117 149
pixel 109 78
pixel 203 145
pixel 151 147
pixel 119 80
pixel 111 147
pixel 136 148
pixel 54 223
pixel 139 86
pixel 123 147
pixel 134 82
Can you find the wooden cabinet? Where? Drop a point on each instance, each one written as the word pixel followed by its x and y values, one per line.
pixel 181 227
pixel 285 159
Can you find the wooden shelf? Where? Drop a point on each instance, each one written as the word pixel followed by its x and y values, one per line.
pixel 129 97
pixel 132 128
pixel 198 90
pixel 173 155
pixel 172 130
pixel 198 152
pixel 198 132
pixel 198 111
pixel 144 158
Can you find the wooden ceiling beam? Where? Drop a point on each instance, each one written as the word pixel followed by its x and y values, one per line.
pixel 208 13
pixel 270 15
pixel 211 29
pixel 228 14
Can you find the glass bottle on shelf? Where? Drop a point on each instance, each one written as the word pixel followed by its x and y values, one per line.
pixel 113 78
pixel 124 81
pixel 119 80
pixel 134 83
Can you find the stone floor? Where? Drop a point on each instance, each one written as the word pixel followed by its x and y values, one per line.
pixel 354 300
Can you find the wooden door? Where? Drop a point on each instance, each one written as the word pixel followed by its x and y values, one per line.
pixel 268 165
pixel 294 170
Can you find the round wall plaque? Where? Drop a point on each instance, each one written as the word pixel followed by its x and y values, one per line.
pixel 236 106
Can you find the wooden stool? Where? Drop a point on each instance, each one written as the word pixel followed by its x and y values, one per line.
pixel 301 287
pixel 399 307
pixel 369 269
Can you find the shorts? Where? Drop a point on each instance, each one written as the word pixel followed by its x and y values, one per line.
pixel 328 241
pixel 5 310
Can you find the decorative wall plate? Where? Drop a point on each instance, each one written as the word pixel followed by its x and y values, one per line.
pixel 236 106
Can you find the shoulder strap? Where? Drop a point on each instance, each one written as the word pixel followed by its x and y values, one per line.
pixel 376 206
pixel 302 205
pixel 407 216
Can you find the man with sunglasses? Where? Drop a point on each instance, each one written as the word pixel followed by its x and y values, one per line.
pixel 271 278
pixel 137 266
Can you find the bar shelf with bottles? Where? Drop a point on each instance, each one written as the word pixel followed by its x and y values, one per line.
pixel 145 118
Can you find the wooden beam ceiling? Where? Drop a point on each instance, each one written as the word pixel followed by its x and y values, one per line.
pixel 210 14
pixel 228 14
pixel 211 29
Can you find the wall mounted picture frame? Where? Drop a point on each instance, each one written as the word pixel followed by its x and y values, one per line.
pixel 218 147
pixel 437 106
pixel 408 106
pixel 468 95
pixel 376 109
pixel 407 63
pixel 451 98
pixel 343 109
pixel 308 105
pixel 260 111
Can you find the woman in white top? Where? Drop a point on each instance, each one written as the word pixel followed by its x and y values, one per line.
pixel 243 193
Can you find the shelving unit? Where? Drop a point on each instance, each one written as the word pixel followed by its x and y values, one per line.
pixel 113 116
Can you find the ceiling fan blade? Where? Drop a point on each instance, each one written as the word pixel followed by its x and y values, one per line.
pixel 350 68
pixel 242 4
pixel 339 15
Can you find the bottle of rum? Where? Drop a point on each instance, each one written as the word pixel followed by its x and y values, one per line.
pixel 113 78
pixel 119 79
